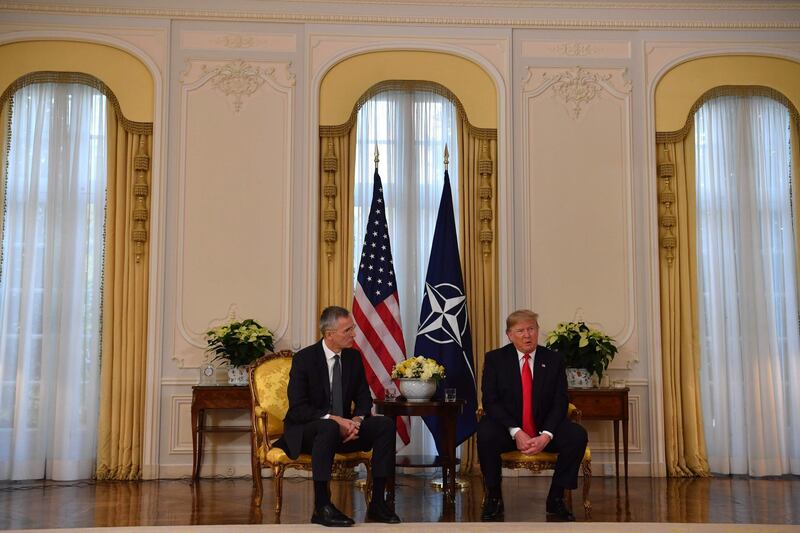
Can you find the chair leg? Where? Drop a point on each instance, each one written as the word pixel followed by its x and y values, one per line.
pixel 258 486
pixel 587 481
pixel 277 476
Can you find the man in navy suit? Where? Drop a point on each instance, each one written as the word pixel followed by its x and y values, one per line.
pixel 525 404
pixel 329 412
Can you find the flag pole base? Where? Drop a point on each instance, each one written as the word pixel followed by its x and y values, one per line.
pixel 461 484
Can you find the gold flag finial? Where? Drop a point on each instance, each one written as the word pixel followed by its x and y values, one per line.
pixel 446 157
pixel 377 157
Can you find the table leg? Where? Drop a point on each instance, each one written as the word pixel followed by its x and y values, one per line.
pixel 449 463
pixel 616 445
pixel 625 444
pixel 195 463
pixel 201 437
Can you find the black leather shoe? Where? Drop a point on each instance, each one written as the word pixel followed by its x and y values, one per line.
pixel 492 510
pixel 381 512
pixel 330 516
pixel 558 510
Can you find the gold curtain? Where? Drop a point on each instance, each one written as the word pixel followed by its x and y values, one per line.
pixel 125 288
pixel 478 205
pixel 477 151
pixel 685 444
pixel 337 172
pixel 680 350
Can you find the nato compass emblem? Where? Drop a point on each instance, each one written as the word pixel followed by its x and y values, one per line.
pixel 447 317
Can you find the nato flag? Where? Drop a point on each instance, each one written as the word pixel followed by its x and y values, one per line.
pixel 443 332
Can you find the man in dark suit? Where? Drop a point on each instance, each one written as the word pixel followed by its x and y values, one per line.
pixel 329 412
pixel 525 404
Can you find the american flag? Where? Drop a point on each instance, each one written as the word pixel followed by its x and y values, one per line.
pixel 376 307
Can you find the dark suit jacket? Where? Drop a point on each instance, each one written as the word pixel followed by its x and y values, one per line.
pixel 310 392
pixel 502 388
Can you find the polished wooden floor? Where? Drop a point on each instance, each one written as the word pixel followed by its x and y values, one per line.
pixel 37 505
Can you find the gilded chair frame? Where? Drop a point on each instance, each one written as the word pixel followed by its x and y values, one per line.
pixel 262 439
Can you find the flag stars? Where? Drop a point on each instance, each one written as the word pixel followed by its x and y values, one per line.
pixel 369 278
pixel 374 233
pixel 370 267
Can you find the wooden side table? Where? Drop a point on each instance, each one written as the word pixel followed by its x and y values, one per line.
pixel 206 397
pixel 448 413
pixel 605 403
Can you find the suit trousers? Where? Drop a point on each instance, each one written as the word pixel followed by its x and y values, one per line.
pixel 569 442
pixel 322 440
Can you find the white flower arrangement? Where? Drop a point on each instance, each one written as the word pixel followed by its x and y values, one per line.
pixel 239 342
pixel 418 367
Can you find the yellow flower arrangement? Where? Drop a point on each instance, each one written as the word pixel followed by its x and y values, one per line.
pixel 418 367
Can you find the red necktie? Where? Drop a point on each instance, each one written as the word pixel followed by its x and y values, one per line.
pixel 528 425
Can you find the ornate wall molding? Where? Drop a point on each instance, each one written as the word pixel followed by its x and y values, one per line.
pixel 504 19
pixel 577 87
pixel 239 79
pixel 215 40
pixel 534 48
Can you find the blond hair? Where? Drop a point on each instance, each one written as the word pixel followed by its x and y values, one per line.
pixel 521 315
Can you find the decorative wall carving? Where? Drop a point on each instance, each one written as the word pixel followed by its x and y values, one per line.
pixel 574 49
pixel 577 87
pixel 532 47
pixel 238 79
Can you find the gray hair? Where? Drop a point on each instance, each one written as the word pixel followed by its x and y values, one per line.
pixel 329 317
pixel 521 315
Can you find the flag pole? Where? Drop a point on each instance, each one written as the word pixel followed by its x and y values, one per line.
pixel 377 157
pixel 438 483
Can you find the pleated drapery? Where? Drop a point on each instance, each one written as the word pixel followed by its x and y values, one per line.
pixel 122 377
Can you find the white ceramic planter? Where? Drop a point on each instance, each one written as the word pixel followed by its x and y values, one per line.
pixel 579 378
pixel 237 375
pixel 417 390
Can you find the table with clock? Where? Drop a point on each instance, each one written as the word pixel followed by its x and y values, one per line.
pixel 207 397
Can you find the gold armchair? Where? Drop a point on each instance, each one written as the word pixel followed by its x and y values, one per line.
pixel 515 460
pixel 269 381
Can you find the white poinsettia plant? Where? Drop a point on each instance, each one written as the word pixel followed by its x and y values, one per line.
pixel 239 342
pixel 418 367
pixel 582 346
